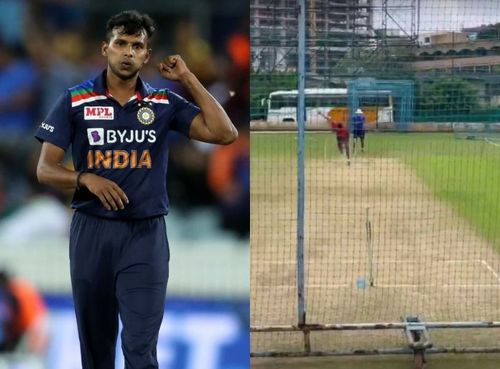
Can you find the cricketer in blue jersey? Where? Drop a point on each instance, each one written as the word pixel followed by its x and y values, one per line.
pixel 358 129
pixel 117 125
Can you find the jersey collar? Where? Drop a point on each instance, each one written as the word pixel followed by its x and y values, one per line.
pixel 142 89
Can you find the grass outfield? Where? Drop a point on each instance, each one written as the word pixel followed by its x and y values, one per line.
pixel 465 173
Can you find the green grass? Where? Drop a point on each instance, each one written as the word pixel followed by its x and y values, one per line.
pixel 464 173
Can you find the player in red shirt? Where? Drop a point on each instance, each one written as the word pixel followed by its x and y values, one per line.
pixel 342 136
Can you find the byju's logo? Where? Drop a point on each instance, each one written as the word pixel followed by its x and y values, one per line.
pixel 99 136
pixel 96 136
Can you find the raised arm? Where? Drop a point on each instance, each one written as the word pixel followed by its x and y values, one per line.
pixel 212 124
pixel 323 115
pixel 50 171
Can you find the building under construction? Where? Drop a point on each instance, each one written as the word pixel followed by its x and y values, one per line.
pixel 337 31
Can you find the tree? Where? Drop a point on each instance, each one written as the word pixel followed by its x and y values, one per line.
pixel 261 84
pixel 447 98
pixel 489 32
pixel 382 62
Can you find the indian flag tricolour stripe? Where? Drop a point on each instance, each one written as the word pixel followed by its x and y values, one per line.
pixel 159 97
pixel 88 99
pixel 158 100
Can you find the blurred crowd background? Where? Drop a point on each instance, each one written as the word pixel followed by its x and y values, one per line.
pixel 47 46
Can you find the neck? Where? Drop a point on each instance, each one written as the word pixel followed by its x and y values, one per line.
pixel 118 86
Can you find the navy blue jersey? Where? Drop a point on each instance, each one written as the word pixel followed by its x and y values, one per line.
pixel 126 144
pixel 358 122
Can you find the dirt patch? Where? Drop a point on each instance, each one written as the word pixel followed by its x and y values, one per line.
pixel 426 260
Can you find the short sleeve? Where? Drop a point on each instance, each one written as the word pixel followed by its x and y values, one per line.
pixel 184 113
pixel 57 127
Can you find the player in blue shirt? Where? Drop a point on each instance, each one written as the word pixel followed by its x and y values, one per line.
pixel 117 126
pixel 358 132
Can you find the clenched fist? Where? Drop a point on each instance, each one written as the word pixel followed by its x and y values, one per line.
pixel 173 68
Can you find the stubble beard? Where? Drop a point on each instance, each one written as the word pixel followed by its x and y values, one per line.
pixel 124 76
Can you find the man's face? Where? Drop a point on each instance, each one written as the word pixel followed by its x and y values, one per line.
pixel 126 53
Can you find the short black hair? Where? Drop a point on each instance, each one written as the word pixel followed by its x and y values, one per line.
pixel 4 278
pixel 132 22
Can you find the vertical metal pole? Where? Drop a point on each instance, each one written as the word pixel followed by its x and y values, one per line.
pixel 300 163
pixel 369 247
pixel 418 18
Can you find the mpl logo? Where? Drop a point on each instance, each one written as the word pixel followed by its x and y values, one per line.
pixel 99 113
pixel 96 136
